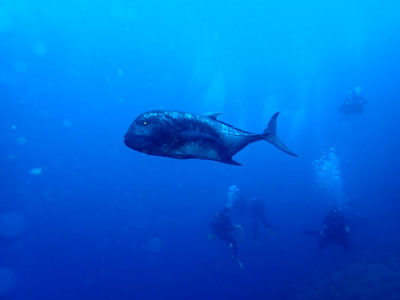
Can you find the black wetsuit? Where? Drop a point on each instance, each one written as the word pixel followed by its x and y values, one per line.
pixel 335 230
pixel 353 104
pixel 223 228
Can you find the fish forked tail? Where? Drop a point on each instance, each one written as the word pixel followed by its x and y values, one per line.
pixel 270 136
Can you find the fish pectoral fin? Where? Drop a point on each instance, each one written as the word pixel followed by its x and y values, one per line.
pixel 230 161
pixel 213 115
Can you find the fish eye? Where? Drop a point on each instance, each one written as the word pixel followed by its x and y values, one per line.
pixel 145 123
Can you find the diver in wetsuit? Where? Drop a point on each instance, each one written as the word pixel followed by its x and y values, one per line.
pixel 354 102
pixel 223 228
pixel 258 218
pixel 335 229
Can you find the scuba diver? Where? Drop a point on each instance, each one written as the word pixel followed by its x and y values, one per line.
pixel 253 210
pixel 354 102
pixel 243 210
pixel 335 229
pixel 257 213
pixel 223 228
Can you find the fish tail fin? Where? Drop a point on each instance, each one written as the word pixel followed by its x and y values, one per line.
pixel 270 136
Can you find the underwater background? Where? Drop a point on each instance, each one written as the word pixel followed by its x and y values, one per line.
pixel 82 216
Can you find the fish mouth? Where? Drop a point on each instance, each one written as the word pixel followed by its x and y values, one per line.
pixel 137 142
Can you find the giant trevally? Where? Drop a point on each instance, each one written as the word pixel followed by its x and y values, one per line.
pixel 184 135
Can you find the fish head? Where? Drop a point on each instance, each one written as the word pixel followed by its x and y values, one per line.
pixel 146 133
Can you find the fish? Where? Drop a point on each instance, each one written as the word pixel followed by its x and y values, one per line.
pixel 183 135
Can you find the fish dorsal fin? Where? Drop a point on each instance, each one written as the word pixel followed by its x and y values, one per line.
pixel 213 115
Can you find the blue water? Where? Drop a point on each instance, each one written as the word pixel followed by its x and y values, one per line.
pixel 84 217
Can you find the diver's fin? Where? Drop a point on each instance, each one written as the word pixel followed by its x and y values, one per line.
pixel 213 115
pixel 240 263
pixel 230 161
pixel 269 135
